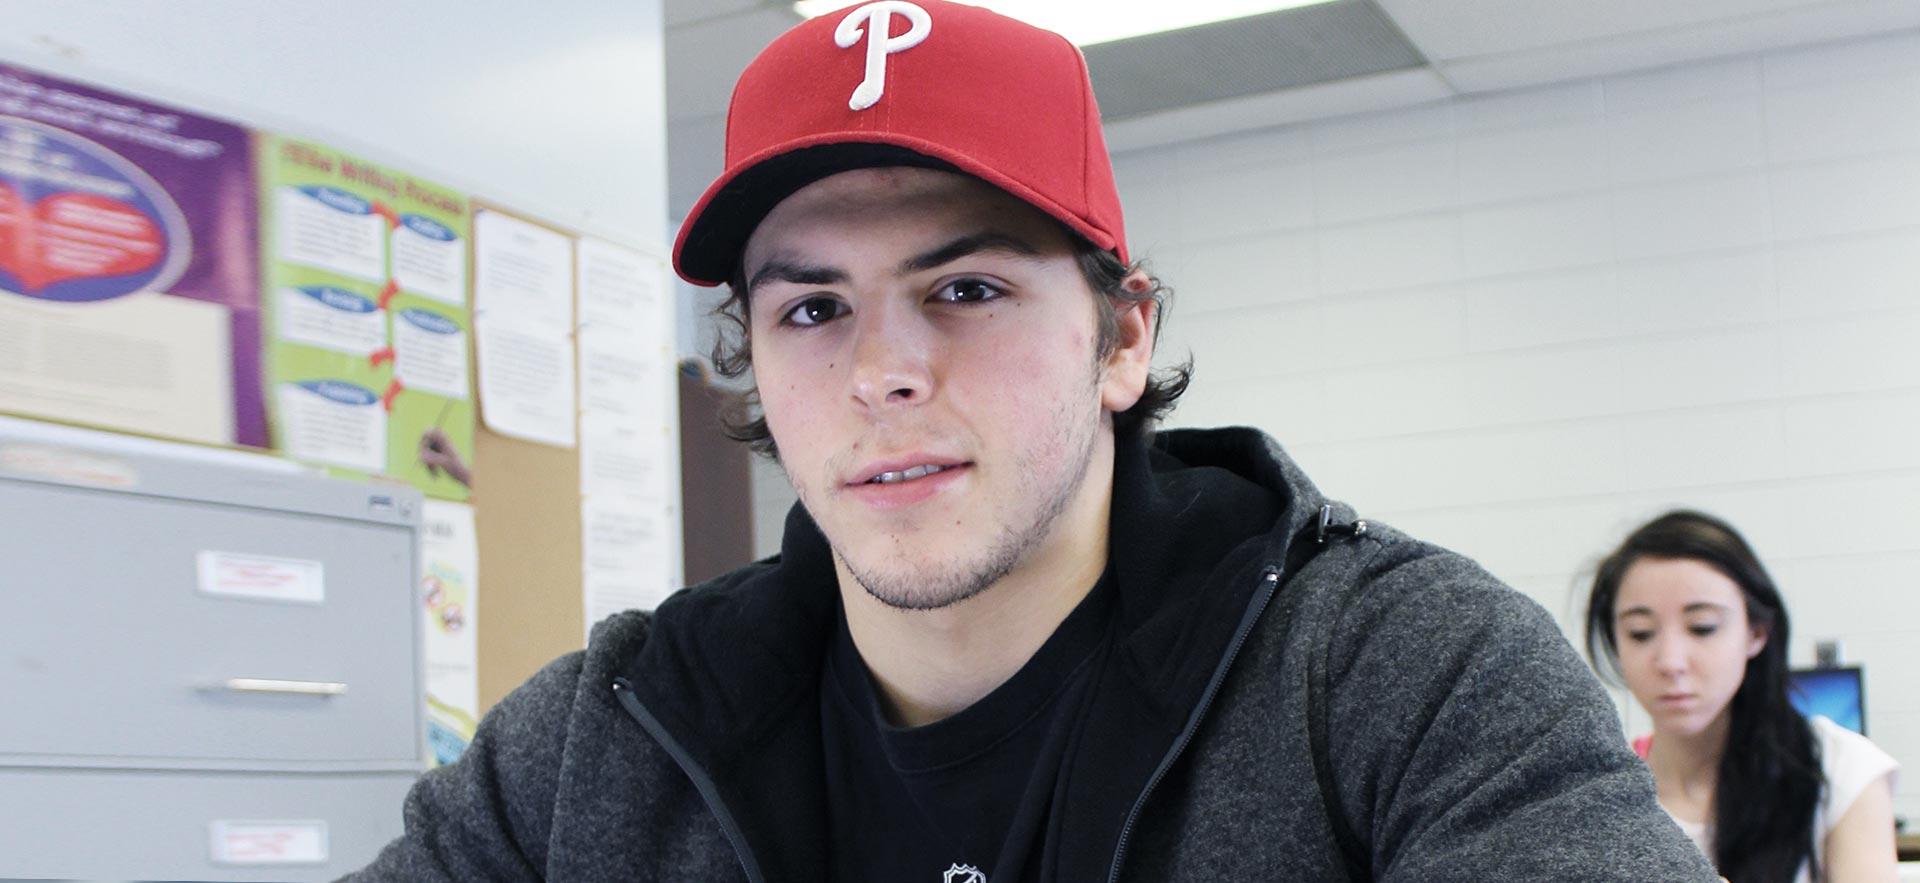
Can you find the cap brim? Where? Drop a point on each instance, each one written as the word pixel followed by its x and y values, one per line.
pixel 716 230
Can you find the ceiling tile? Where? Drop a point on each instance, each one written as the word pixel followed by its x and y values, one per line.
pixel 1453 29
pixel 1677 45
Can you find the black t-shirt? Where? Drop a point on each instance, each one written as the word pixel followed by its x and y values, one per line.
pixel 973 791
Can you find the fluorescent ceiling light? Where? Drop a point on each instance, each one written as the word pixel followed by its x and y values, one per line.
pixel 1087 22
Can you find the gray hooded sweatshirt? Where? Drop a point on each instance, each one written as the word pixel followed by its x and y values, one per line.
pixel 1291 696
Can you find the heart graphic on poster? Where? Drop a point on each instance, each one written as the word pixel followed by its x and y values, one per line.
pixel 80 223
pixel 68 236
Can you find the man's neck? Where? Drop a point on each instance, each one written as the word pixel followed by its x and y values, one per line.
pixel 930 664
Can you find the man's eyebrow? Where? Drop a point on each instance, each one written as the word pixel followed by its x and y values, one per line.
pixel 972 243
pixel 795 272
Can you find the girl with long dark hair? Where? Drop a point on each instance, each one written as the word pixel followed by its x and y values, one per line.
pixel 1684 614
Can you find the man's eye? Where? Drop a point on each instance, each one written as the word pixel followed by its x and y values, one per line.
pixel 814 311
pixel 967 291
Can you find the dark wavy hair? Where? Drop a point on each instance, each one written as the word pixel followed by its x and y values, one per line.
pixel 1105 274
pixel 1769 775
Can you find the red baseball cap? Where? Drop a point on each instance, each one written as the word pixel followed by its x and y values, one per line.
pixel 895 83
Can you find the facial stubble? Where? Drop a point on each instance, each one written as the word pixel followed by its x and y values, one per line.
pixel 933 585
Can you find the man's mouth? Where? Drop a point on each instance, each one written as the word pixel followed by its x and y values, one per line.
pixel 907 474
pixel 906 481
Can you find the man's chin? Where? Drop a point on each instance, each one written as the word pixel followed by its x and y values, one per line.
pixel 928 585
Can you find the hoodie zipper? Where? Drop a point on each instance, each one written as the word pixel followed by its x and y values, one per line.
pixel 702 782
pixel 1269 581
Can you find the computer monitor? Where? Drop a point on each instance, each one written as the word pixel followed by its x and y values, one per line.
pixel 1836 693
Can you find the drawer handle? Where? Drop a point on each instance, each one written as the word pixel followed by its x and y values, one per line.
pixel 296 688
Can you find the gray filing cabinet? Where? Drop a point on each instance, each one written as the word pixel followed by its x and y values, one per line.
pixel 207 671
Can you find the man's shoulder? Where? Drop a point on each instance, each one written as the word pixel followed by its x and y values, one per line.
pixel 1380 599
pixel 1392 574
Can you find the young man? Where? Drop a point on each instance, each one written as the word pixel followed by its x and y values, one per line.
pixel 1013 634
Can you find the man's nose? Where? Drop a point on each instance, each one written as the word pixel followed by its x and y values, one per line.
pixel 892 365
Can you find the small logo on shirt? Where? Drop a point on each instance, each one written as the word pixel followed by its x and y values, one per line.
pixel 960 873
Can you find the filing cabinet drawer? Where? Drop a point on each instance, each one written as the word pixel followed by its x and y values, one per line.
pixel 126 825
pixel 110 648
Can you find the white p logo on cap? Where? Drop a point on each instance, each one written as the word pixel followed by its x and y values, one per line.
pixel 878 20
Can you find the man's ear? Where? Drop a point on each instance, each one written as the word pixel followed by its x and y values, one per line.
pixel 1126 369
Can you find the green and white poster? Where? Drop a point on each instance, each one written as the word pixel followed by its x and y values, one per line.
pixel 370 326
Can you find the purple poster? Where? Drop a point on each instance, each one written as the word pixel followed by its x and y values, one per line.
pixel 129 264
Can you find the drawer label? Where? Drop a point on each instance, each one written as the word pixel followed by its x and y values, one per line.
pixel 268 843
pixel 262 578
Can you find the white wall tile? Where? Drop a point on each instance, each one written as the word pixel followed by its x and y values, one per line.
pixel 1277 146
pixel 1825 595
pixel 1871 58
pixel 1372 477
pixel 1682 84
pixel 1456 529
pixel 1398 400
pixel 1533 463
pixel 1149 198
pixel 1856 353
pixel 1262 342
pixel 1520 163
pixel 1420 324
pixel 1701 369
pixel 1859 433
pixel 1168 263
pixel 1528 108
pixel 1762 513
pixel 1847 197
pixel 1694 215
pixel 1846 516
pixel 1291 409
pixel 1833 276
pixel 1361 131
pixel 1158 169
pixel 1709 447
pixel 1701 137
pixel 1569 232
pixel 1236 273
pixel 1848 118
pixel 1403 179
pixel 1389 254
pixel 1236 201
pixel 1551 384
pixel 1561 460
pixel 1698 291
pixel 1541 309
pixel 1558 538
